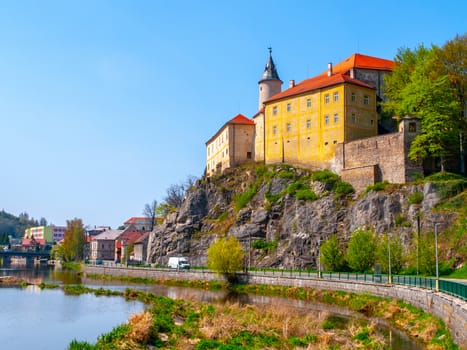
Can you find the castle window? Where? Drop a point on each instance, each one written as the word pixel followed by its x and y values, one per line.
pixel 335 141
pixel 226 151
pixel 274 110
pixel 353 97
pixel 371 122
pixel 248 155
pixel 274 129
pixel 354 118
pixel 412 127
pixel 366 100
pixel 336 96
pixel 326 143
pixel 288 127
pixel 326 119
pixel 326 98
pixel 336 117
pixel 308 123
pixel 308 102
pixel 288 107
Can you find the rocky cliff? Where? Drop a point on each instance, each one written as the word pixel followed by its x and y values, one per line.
pixel 289 211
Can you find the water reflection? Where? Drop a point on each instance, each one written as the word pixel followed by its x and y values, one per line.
pixel 63 276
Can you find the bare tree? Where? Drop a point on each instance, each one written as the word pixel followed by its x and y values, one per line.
pixel 176 192
pixel 149 211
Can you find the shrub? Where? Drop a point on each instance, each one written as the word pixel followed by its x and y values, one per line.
pixel 416 198
pixel 286 174
pixel 272 198
pixel 325 176
pixel 265 245
pixel 343 188
pixel 379 186
pixel 306 194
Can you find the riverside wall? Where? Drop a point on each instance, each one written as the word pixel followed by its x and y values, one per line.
pixel 453 311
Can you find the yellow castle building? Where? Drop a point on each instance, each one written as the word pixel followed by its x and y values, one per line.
pixel 303 124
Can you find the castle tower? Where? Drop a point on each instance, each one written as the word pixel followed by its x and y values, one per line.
pixel 270 84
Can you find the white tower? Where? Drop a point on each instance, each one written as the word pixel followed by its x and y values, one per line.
pixel 270 84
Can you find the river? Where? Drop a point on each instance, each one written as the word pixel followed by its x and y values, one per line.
pixel 32 318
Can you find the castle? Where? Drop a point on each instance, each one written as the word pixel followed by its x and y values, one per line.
pixel 329 121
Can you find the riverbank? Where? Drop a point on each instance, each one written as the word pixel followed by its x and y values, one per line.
pixel 427 329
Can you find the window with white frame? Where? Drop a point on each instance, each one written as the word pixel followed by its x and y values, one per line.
pixel 308 102
pixel 353 97
pixel 354 118
pixel 326 98
pixel 366 100
pixel 326 119
pixel 336 117
pixel 274 129
pixel 274 110
pixel 308 123
pixel 289 107
pixel 336 96
pixel 288 127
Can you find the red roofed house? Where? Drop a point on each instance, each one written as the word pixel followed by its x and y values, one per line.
pixel 232 145
pixel 139 223
pixel 124 244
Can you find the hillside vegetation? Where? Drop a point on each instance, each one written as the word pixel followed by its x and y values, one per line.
pixel 282 215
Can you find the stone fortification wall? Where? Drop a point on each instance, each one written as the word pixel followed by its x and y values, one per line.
pixel 452 311
pixel 380 158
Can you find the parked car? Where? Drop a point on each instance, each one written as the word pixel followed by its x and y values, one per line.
pixel 177 262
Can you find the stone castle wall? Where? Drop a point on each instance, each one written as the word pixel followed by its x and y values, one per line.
pixel 376 159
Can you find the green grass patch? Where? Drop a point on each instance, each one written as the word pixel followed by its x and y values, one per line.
pixel 325 176
pixel 242 199
pixel 379 186
pixel 415 198
pixel 343 188
pixel 71 265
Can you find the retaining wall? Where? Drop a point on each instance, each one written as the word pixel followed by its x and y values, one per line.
pixel 453 311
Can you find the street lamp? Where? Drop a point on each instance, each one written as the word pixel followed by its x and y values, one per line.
pixel 389 260
pixel 319 257
pixel 436 253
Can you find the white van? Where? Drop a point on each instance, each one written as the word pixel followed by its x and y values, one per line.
pixel 177 262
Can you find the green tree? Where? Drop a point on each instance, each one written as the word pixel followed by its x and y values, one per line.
pixel 361 250
pixel 397 256
pixel 74 240
pixel 417 88
pixel 332 254
pixel 225 256
pixel 427 257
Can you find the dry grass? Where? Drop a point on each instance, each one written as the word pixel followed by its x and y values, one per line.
pixel 141 324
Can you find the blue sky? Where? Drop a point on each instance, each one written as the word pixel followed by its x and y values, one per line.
pixel 104 104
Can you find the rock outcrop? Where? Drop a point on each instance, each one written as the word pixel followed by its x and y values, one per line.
pixel 294 227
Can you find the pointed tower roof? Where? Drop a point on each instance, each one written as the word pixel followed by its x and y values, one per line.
pixel 270 71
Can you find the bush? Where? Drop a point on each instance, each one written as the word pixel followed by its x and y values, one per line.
pixel 416 198
pixel 379 186
pixel 306 194
pixel 265 245
pixel 343 188
pixel 325 176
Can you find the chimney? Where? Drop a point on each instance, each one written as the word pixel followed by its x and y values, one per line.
pixel 352 73
pixel 329 69
pixel 291 83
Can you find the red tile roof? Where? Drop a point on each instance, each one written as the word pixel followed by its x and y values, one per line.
pixel 239 119
pixel 363 62
pixel 137 220
pixel 318 82
pixel 340 75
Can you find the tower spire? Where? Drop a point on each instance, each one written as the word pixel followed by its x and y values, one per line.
pixel 270 83
pixel 270 71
